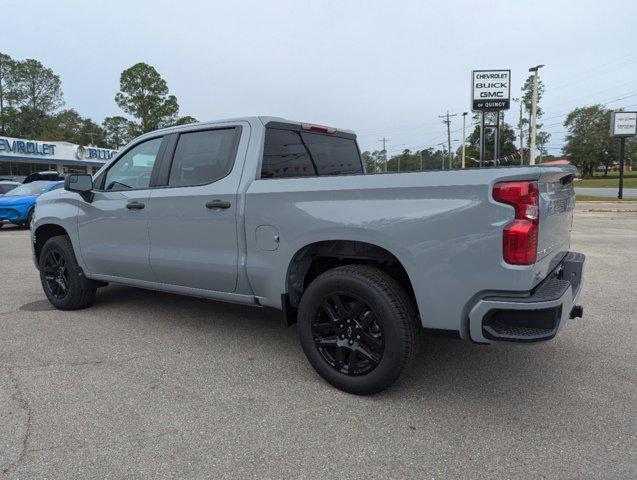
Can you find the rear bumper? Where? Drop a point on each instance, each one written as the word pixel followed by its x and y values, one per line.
pixel 533 316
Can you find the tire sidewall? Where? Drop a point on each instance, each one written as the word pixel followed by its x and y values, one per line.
pixel 392 362
pixel 27 224
pixel 63 247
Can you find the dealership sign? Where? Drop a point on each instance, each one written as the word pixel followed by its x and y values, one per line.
pixel 26 147
pixel 31 149
pixel 623 124
pixel 490 90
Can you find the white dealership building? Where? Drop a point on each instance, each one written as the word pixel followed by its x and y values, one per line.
pixel 21 157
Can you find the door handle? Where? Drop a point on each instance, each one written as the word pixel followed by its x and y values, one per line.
pixel 217 204
pixel 135 206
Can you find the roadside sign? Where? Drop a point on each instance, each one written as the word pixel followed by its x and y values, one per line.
pixel 623 124
pixel 490 90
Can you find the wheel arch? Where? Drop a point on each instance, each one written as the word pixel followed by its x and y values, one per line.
pixel 317 257
pixel 43 233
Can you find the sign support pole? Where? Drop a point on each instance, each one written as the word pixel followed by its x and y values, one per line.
pixel 496 139
pixel 622 152
pixel 481 138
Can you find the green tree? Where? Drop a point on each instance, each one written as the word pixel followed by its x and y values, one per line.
pixel 186 120
pixel 507 147
pixel 37 87
pixel 36 93
pixel 70 126
pixel 144 95
pixel 541 138
pixel 409 161
pixel 368 162
pixel 589 144
pixel 7 90
pixel 118 131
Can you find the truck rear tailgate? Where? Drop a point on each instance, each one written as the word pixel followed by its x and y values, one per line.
pixel 557 200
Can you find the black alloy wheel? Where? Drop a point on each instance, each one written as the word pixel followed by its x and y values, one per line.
pixel 56 274
pixel 347 335
pixel 358 328
pixel 63 281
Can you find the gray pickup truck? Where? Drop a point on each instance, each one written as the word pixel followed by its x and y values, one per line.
pixel 274 213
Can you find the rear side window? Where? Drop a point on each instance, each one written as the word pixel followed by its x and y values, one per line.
pixel 290 153
pixel 203 157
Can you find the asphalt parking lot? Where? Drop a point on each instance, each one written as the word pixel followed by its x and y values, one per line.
pixel 151 385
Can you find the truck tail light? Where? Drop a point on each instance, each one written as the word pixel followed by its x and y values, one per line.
pixel 519 243
pixel 317 128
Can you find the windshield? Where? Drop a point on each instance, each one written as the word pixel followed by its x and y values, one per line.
pixel 35 188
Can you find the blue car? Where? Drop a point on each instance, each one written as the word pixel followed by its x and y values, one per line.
pixel 17 205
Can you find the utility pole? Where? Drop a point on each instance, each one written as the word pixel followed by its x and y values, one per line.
pixel 464 126
pixel 448 122
pixel 535 71
pixel 385 140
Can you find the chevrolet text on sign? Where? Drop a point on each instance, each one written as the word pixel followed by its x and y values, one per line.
pixel 490 90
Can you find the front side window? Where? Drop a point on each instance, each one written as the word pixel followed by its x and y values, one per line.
pixel 203 157
pixel 133 170
pixel 291 153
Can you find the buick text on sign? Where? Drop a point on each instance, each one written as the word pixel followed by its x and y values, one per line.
pixel 490 90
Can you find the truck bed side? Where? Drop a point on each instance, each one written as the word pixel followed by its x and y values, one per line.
pixel 444 228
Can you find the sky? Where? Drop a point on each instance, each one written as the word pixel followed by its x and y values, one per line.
pixel 381 68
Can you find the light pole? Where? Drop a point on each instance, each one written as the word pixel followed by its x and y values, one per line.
pixel 535 71
pixel 520 128
pixel 464 125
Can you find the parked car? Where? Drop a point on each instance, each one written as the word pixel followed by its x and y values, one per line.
pixel 17 206
pixel 269 212
pixel 47 175
pixel 7 185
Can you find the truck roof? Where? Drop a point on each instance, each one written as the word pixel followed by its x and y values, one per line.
pixel 264 119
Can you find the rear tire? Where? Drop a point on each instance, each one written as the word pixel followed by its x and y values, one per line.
pixel 358 328
pixel 63 281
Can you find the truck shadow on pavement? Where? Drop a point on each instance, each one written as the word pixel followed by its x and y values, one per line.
pixel 444 369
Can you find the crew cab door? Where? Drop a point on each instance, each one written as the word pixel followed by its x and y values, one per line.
pixel 193 216
pixel 113 228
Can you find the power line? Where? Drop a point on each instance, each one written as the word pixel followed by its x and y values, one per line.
pixel 577 99
pixel 601 103
pixel 601 69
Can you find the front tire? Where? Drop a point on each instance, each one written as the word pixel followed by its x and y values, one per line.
pixel 64 284
pixel 27 224
pixel 358 328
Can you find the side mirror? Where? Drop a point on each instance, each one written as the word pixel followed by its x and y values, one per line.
pixel 81 183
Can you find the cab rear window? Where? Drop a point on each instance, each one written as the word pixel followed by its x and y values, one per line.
pixel 291 153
